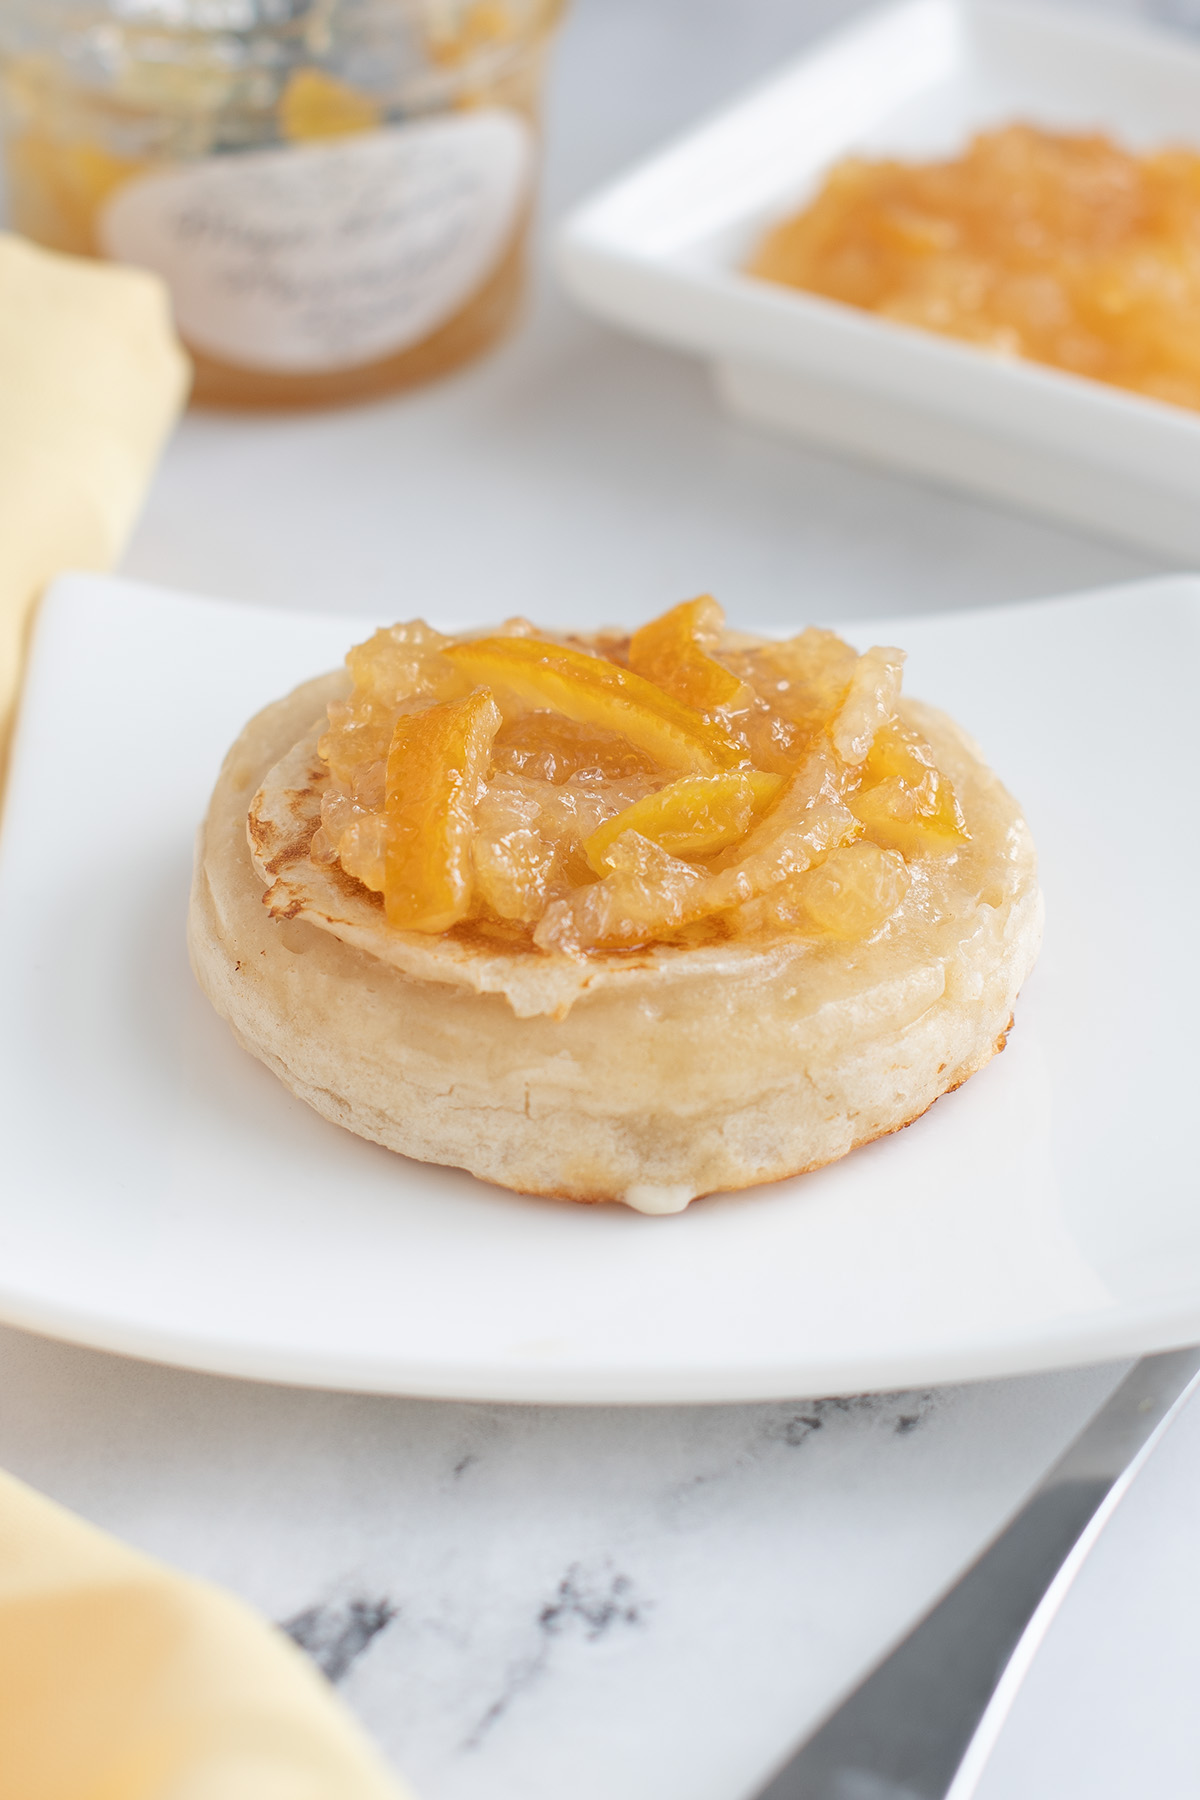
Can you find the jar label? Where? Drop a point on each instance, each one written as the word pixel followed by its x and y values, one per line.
pixel 321 256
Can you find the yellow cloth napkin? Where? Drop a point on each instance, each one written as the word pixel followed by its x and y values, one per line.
pixel 91 379
pixel 121 1680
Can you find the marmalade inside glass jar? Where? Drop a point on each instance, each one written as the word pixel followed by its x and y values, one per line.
pixel 1063 248
pixel 97 98
pixel 684 785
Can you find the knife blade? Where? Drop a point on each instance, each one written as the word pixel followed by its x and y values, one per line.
pixel 922 1723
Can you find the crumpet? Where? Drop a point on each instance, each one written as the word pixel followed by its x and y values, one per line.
pixel 624 918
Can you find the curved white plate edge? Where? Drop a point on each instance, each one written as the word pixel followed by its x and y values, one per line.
pixel 1171 583
pixel 1125 1336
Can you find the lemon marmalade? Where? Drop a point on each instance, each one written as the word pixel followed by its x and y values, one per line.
pixel 1063 248
pixel 571 796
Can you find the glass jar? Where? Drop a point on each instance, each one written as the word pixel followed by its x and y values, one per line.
pixel 337 192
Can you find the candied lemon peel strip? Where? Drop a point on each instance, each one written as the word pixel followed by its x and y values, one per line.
pixel 674 652
pixel 694 816
pixel 906 802
pixel 594 691
pixel 808 820
pixel 560 801
pixel 435 771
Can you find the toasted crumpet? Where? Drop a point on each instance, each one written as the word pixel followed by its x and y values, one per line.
pixel 650 1075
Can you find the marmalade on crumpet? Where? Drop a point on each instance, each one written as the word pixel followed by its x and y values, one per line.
pixel 1060 247
pixel 683 785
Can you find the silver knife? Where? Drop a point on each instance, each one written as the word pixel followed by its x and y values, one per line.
pixel 923 1722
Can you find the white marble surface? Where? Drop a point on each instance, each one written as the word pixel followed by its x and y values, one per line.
pixel 650 1602
pixel 532 1602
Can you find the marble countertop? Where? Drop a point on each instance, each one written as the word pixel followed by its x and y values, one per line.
pixel 527 1602
pixel 531 1602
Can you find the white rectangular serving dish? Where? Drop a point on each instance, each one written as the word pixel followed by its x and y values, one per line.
pixel 660 253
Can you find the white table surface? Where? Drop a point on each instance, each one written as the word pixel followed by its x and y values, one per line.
pixel 526 1603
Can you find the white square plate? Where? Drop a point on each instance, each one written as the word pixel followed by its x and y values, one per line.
pixel 660 253
pixel 164 1195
